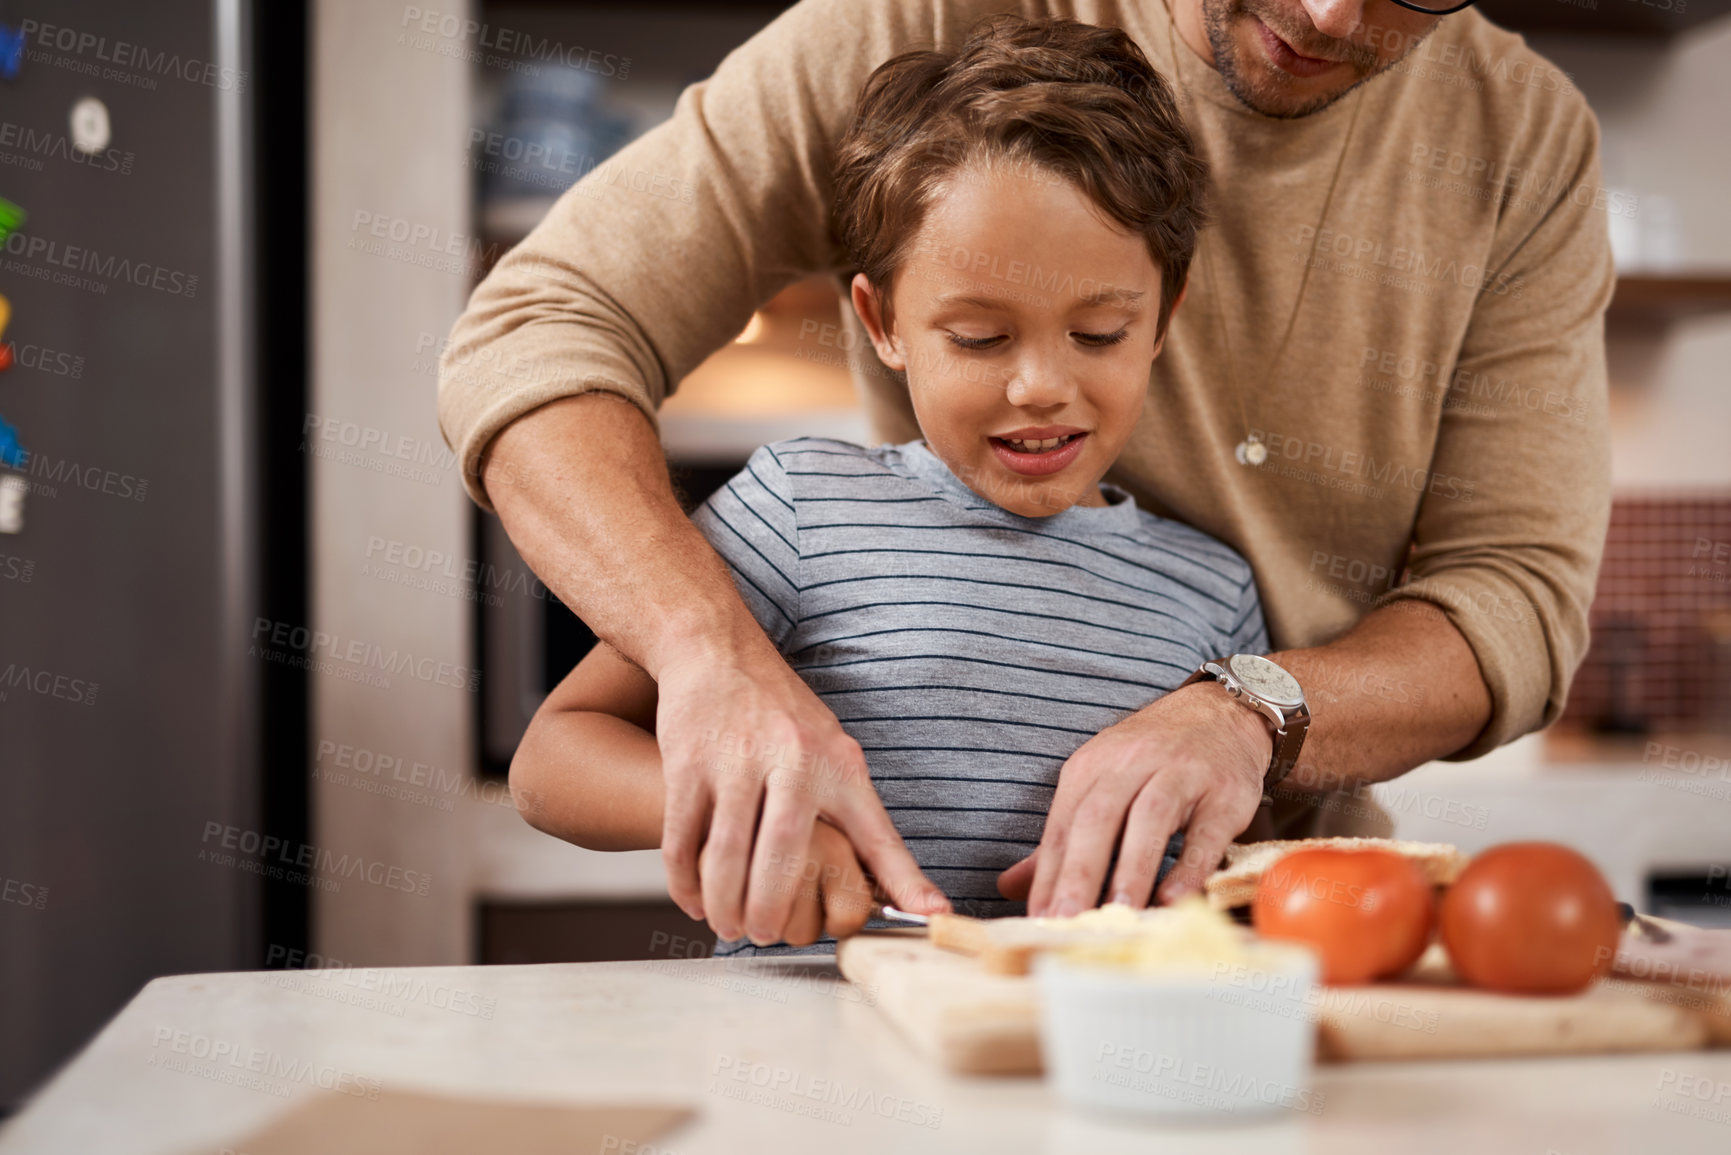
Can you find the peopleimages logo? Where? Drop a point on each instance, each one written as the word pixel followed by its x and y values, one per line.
pixel 46 360
pixel 128 63
pixel 801 1093
pixel 48 684
pixel 331 978
pixel 408 564
pixel 256 1068
pixel 508 44
pixel 32 145
pixel 94 478
pixel 17 569
pixel 1374 252
pixel 304 644
pixel 1365 465
pixel 23 893
pixel 270 850
pixel 63 263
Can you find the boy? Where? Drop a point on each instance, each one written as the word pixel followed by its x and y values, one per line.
pixel 977 604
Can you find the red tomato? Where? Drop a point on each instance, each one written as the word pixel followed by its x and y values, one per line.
pixel 1366 912
pixel 1530 918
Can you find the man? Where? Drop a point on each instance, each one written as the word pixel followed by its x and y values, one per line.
pixel 1390 359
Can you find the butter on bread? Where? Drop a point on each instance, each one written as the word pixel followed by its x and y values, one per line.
pixel 1235 883
pixel 1007 946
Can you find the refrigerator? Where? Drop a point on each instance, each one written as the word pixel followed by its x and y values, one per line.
pixel 153 158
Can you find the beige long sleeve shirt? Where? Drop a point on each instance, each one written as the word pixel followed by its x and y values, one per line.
pixel 1440 407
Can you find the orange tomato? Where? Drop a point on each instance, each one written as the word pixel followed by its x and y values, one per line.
pixel 1366 912
pixel 1530 918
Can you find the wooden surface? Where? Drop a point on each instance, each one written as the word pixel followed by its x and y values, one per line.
pixel 947 1004
pixel 978 1023
pixel 410 1123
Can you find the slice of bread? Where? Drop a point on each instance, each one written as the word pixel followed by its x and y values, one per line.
pixel 1007 946
pixel 1235 883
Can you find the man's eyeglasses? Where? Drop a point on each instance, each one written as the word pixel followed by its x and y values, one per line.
pixel 1433 9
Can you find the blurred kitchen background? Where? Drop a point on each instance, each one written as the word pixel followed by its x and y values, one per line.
pixel 262 664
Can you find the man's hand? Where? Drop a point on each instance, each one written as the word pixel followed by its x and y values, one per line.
pixel 1193 760
pixel 740 733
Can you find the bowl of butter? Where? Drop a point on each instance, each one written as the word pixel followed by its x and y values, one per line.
pixel 1179 1012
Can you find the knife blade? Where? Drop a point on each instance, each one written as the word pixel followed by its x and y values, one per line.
pixel 1174 848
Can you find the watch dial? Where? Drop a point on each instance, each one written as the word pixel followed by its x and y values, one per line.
pixel 1265 679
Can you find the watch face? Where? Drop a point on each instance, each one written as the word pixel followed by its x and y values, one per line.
pixel 1265 679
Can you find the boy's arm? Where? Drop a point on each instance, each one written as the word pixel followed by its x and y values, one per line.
pixel 590 758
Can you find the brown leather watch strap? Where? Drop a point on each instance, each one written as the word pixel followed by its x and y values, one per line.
pixel 1287 743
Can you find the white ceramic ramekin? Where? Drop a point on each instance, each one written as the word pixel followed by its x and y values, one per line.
pixel 1237 1039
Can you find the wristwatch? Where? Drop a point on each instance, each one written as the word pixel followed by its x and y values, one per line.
pixel 1272 692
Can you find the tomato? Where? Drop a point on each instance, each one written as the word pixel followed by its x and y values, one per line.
pixel 1530 918
pixel 1366 912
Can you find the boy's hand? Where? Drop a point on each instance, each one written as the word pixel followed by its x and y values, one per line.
pixel 751 757
pixel 831 893
pixel 1192 760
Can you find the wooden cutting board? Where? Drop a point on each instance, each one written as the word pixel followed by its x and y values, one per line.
pixel 978 1023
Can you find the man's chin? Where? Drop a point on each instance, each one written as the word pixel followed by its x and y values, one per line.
pixel 1271 102
pixel 1264 87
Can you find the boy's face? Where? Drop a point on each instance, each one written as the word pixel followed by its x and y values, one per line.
pixel 1021 316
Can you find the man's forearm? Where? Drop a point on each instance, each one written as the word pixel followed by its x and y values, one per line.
pixel 582 487
pixel 1399 689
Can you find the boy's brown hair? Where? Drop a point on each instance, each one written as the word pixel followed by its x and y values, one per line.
pixel 1079 101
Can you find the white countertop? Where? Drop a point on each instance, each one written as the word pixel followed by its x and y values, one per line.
pixel 673 1032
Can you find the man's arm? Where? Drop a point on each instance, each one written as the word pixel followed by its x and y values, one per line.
pixel 657 257
pixel 1507 541
pixel 1476 649
pixel 592 509
pixel 1400 688
pixel 590 506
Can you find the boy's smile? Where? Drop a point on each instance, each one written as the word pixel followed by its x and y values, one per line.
pixel 1036 451
pixel 1025 320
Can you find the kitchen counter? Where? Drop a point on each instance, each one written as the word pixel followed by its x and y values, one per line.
pixel 705 1033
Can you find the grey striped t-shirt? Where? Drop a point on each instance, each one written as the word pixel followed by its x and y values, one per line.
pixel 967 649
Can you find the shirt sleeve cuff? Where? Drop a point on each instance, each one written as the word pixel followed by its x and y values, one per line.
pixel 472 429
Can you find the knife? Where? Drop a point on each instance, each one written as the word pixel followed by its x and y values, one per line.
pixel 906 917
pixel 1174 848
pixel 1641 925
